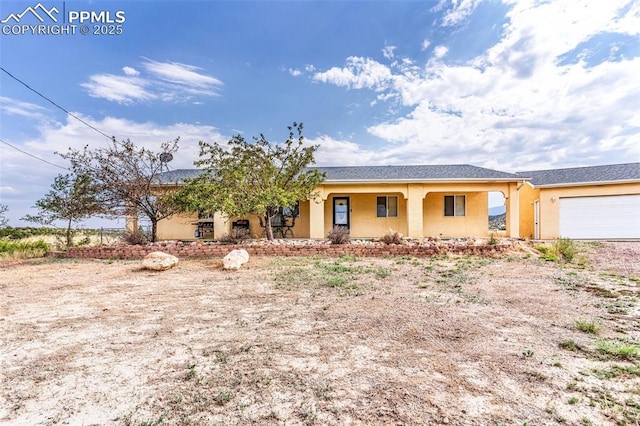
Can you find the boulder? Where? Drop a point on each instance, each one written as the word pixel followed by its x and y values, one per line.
pixel 159 261
pixel 235 259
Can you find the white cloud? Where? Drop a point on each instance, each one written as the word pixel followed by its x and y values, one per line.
pixel 425 45
pixel 183 74
pixel 350 153
pixel 295 72
pixel 25 109
pixel 118 88
pixel 130 71
pixel 460 10
pixel 514 106
pixel 358 73
pixel 166 81
pixel 388 52
pixel 440 51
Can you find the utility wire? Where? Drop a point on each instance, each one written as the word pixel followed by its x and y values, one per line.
pixel 111 138
pixel 33 156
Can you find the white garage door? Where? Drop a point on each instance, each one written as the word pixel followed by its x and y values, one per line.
pixel 607 217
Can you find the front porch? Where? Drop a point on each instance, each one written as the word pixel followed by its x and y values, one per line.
pixel 414 210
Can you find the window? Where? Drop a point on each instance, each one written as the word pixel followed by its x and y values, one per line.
pixel 387 206
pixel 454 205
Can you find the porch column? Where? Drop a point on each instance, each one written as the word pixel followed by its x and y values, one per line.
pixel 131 219
pixel 316 218
pixel 513 211
pixel 414 211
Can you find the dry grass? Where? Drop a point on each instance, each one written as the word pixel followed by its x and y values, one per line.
pixel 457 340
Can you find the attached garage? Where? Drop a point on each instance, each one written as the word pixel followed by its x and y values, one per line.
pixel 600 217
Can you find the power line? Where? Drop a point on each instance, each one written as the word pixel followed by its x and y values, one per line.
pixel 112 138
pixel 33 156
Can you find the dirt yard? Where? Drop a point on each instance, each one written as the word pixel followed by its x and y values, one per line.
pixel 446 340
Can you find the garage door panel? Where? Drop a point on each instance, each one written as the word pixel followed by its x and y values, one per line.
pixel 604 217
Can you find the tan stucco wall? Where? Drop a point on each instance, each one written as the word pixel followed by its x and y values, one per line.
pixel 418 216
pixel 528 196
pixel 301 230
pixel 473 224
pixel 364 220
pixel 182 227
pixel 550 209
pixel 177 227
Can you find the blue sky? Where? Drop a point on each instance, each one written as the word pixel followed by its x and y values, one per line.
pixel 510 85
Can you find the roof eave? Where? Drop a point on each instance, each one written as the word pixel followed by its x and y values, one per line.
pixel 572 184
pixel 396 181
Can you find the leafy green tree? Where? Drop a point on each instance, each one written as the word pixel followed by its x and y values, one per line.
pixel 71 199
pixel 126 178
pixel 252 177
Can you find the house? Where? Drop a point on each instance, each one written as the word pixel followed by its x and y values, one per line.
pixel 597 202
pixel 417 201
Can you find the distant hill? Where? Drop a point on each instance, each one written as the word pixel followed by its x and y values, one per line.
pixel 498 222
pixel 497 211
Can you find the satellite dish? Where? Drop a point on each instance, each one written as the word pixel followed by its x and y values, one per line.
pixel 166 157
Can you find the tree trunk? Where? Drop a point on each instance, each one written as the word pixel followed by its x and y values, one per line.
pixel 69 237
pixel 267 226
pixel 154 230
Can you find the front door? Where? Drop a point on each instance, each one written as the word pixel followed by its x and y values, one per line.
pixel 341 211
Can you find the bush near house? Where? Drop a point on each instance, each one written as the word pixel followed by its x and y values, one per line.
pixel 392 237
pixel 23 249
pixel 339 235
pixel 562 249
pixel 236 236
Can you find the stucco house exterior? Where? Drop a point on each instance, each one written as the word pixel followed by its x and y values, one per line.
pixel 596 202
pixel 417 201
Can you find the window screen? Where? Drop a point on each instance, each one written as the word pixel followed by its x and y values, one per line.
pixel 387 206
pixel 454 205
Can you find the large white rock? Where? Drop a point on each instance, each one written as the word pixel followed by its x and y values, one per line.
pixel 159 261
pixel 235 259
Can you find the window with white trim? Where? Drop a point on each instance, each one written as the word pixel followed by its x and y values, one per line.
pixel 387 206
pixel 455 205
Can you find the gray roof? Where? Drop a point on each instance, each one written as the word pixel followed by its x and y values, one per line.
pixel 612 173
pixel 455 172
pixel 439 173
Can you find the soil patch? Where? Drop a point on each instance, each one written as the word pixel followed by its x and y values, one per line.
pixel 460 340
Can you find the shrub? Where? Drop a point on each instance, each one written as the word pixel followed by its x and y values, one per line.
pixel 135 238
pixel 392 237
pixel 543 249
pixel 618 350
pixel 237 235
pixel 589 327
pixel 565 248
pixel 570 345
pixel 23 249
pixel 562 249
pixel 26 232
pixel 551 257
pixel 339 235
